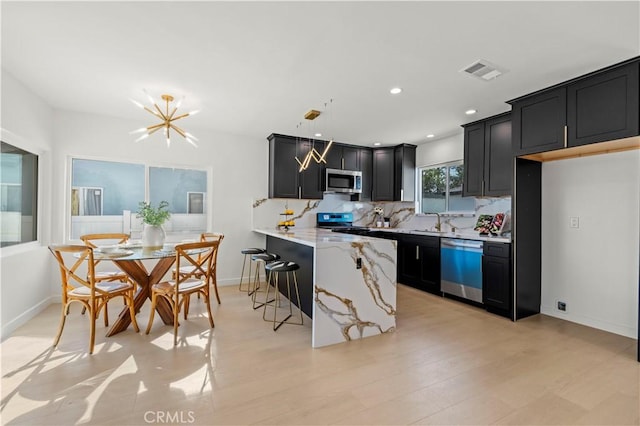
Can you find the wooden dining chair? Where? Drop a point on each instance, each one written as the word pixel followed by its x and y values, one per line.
pixel 176 292
pixel 93 296
pixel 111 274
pixel 192 272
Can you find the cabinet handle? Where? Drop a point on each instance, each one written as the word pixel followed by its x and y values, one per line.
pixel 299 192
pixel 565 136
pixel 417 252
pixel 482 190
pixel 402 195
pixel 342 163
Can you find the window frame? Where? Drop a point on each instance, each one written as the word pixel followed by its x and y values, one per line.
pixel 208 209
pixel 419 196
pixel 18 142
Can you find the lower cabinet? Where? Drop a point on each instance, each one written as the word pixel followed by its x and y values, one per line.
pixel 419 262
pixel 497 283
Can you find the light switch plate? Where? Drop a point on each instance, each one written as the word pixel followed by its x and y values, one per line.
pixel 574 222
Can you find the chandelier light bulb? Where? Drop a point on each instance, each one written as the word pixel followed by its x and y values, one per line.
pixel 136 103
pixel 194 112
pixel 140 130
pixel 146 135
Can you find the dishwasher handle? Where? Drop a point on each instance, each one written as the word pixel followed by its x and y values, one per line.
pixel 462 244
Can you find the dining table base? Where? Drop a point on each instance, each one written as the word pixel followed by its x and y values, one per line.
pixel 138 273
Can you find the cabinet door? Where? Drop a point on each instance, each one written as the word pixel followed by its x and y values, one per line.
pixel 283 168
pixel 498 158
pixel 496 283
pixel 430 267
pixel 473 160
pixel 350 158
pixel 311 179
pixel 334 157
pixel 383 174
pixel 404 173
pixel 539 122
pixel 603 107
pixel 366 166
pixel 409 264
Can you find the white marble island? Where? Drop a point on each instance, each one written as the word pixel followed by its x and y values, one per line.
pixel 352 286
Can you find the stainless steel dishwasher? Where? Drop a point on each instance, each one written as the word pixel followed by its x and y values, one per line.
pixel 461 268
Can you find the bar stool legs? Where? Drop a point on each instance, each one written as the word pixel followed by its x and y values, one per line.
pixel 261 259
pixel 247 253
pixel 274 269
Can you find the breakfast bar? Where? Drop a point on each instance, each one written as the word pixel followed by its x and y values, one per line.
pixel 347 282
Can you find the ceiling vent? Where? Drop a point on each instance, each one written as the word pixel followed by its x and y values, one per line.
pixel 483 69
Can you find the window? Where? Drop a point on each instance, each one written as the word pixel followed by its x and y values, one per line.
pixel 440 189
pixel 18 195
pixel 105 196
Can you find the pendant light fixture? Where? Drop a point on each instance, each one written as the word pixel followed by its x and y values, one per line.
pixel 313 153
pixel 167 118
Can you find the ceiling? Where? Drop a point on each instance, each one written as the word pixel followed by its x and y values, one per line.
pixel 255 68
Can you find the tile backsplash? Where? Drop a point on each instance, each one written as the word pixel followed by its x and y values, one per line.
pixel 267 212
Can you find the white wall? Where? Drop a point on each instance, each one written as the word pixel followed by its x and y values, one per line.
pixel 593 268
pixel 27 270
pixel 441 151
pixel 239 168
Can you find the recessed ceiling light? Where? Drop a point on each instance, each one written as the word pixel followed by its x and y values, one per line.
pixel 470 111
pixel 430 135
pixel 318 135
pixel 395 90
pixel 376 144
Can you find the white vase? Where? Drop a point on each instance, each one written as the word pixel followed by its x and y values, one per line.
pixel 153 236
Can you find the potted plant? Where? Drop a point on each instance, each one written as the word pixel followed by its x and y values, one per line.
pixel 153 235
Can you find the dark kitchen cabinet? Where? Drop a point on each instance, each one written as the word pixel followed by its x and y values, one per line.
pixel 404 173
pixel 311 181
pixel 488 158
pixel 418 260
pixel 285 180
pixel 343 157
pixel 597 107
pixel 383 176
pixel 366 166
pixel 604 107
pixel 497 282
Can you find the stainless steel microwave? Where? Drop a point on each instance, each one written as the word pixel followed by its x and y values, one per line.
pixel 345 181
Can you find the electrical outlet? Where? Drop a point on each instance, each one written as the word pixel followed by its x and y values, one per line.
pixel 574 222
pixel 562 306
pixel 359 263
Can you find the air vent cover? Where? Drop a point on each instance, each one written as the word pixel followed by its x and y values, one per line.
pixel 483 69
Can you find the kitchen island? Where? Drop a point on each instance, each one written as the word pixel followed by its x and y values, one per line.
pixel 347 282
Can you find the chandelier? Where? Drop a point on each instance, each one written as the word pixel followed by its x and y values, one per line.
pixel 313 153
pixel 167 118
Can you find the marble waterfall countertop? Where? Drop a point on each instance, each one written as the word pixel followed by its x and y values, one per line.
pixel 354 283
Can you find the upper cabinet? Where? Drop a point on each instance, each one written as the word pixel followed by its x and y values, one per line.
pixel 383 179
pixel 404 173
pixel 488 157
pixel 285 181
pixel 344 157
pixel 601 106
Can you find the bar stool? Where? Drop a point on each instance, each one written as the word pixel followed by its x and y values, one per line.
pixel 264 259
pixel 248 252
pixel 275 268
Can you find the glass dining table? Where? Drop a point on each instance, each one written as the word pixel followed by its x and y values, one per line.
pixel 130 261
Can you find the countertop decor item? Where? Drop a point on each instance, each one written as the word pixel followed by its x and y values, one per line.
pixel 167 117
pixel 483 225
pixel 288 222
pixel 153 234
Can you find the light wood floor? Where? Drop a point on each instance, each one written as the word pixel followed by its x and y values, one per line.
pixel 447 363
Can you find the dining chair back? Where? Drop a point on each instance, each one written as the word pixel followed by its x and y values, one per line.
pixel 82 288
pixel 188 270
pixel 199 258
pixel 111 273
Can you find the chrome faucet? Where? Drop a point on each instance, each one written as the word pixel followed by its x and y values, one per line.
pixel 439 224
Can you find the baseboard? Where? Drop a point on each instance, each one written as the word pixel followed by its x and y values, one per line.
pixel 22 319
pixel 621 329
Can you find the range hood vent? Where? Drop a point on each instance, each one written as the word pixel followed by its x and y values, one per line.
pixel 483 69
